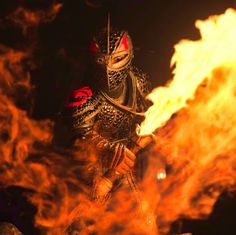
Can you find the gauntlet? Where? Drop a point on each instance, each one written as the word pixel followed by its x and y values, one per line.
pixel 122 163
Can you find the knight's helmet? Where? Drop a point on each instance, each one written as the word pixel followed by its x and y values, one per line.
pixel 112 52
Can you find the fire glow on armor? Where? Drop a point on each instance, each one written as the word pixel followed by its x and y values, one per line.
pixel 198 144
pixel 194 62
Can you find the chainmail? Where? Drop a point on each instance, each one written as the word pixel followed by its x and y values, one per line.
pixel 114 39
pixel 116 77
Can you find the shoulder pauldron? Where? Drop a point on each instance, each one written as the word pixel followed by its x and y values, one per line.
pixel 82 105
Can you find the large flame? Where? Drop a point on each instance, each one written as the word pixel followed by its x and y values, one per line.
pixel 194 62
pixel 199 142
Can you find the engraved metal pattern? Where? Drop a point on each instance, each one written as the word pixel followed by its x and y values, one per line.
pixel 142 81
pixel 82 113
pixel 110 116
pixel 114 39
pixel 113 118
pixel 116 77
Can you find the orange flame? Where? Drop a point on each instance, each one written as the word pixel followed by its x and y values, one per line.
pixel 194 61
pixel 199 142
pixel 198 145
pixel 26 18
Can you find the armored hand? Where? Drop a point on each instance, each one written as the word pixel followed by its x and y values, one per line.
pixel 101 189
pixel 122 163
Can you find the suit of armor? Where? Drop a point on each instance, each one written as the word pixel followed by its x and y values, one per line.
pixel 107 115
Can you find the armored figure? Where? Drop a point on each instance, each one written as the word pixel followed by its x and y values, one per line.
pixel 107 111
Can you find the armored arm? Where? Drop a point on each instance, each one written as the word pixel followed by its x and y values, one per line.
pixel 80 111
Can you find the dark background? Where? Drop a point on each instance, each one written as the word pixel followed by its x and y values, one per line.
pixel 61 61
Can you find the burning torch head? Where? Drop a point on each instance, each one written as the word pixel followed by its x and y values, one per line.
pixel 112 53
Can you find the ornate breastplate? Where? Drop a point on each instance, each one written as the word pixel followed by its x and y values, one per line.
pixel 113 116
pixel 115 120
pixel 119 119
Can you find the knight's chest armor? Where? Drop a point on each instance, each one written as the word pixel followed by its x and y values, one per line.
pixel 113 116
pixel 119 117
pixel 114 119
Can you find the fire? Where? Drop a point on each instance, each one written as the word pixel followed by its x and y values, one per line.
pixel 194 62
pixel 26 18
pixel 198 144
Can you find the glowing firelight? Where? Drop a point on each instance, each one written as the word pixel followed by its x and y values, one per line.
pixel 161 174
pixel 194 61
pixel 198 145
